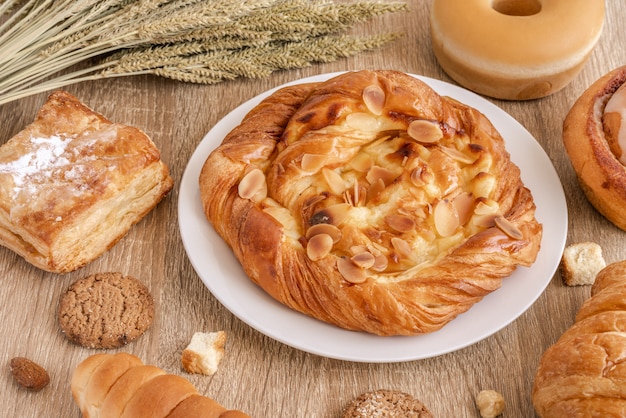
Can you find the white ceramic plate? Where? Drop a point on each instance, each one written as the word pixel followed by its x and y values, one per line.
pixel 224 277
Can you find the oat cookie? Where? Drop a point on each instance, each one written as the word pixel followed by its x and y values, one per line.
pixel 386 403
pixel 105 310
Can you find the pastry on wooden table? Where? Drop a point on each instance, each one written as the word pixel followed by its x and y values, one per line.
pixel 121 385
pixel 370 202
pixel 583 373
pixel 73 183
pixel 594 135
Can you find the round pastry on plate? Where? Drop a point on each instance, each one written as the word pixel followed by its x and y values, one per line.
pixel 370 202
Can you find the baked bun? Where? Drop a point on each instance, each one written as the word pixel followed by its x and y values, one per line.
pixel 583 373
pixel 120 385
pixel 73 183
pixel 594 134
pixel 370 202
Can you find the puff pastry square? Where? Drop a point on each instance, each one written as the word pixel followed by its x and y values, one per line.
pixel 370 202
pixel 73 183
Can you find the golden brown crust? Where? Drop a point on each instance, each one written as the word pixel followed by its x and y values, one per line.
pixel 601 176
pixel 73 183
pixel 582 374
pixel 499 49
pixel 330 153
pixel 120 385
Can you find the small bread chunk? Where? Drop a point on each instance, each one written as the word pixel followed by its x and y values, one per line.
pixel 204 352
pixel 581 263
pixel 490 403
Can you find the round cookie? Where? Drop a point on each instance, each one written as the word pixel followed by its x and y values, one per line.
pixel 386 403
pixel 105 310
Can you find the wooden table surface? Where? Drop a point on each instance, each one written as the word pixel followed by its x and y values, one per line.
pixel 259 375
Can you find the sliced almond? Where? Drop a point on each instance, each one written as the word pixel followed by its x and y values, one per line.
pixel 319 246
pixel 380 263
pixel 400 223
pixel 373 193
pixel 333 214
pixel 358 249
pixel 350 271
pixel 374 98
pixel 363 122
pixel 464 205
pixel 377 172
pixel 364 260
pixel 421 176
pixel 402 247
pixel 446 218
pixel 312 163
pixel 458 156
pixel 326 229
pixel 424 131
pixel 334 180
pixel 508 227
pixel 253 186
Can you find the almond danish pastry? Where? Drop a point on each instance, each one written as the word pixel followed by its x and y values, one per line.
pixel 370 202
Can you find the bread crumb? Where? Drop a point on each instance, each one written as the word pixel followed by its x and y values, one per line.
pixel 581 263
pixel 490 403
pixel 204 352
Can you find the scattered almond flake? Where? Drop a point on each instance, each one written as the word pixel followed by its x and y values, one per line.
pixel 508 227
pixel 253 186
pixel 424 131
pixel 374 98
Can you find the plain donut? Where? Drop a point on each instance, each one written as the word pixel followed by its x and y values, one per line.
pixel 514 49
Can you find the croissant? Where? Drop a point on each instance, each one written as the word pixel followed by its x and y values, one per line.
pixel 120 385
pixel 583 373
pixel 370 202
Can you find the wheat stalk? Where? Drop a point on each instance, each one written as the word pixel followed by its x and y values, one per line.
pixel 49 44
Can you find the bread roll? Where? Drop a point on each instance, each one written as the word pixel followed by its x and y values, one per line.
pixel 120 385
pixel 583 373
pixel 594 135
pixel 370 202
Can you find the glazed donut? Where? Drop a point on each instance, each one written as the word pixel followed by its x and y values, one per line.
pixel 594 135
pixel 514 49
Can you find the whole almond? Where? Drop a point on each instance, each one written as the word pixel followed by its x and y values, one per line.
pixel 29 374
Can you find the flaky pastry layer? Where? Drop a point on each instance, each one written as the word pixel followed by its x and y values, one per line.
pixel 73 183
pixel 370 202
pixel 583 373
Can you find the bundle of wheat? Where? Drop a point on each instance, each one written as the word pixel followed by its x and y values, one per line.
pixel 48 44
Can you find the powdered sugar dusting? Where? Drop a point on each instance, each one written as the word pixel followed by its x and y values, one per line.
pixel 48 173
pixel 47 155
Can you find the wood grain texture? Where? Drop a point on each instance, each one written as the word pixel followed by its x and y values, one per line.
pixel 259 375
